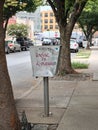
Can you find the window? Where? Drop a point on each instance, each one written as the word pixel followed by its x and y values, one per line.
pixel 56 27
pixel 51 26
pixel 51 20
pixel 46 21
pixel 46 14
pixel 51 14
pixel 46 27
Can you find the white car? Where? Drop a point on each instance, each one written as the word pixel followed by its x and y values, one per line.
pixel 74 46
pixel 12 46
pixel 47 41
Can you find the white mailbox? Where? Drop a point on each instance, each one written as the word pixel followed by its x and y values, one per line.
pixel 44 60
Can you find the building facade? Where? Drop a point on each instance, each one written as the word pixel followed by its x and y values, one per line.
pixel 33 17
pixel 43 19
pixel 48 21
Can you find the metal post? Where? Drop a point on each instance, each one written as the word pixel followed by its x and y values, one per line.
pixel 46 96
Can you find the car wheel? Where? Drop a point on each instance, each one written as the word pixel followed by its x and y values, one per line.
pixel 14 50
pixel 80 44
pixel 77 50
pixel 25 49
pixel 22 49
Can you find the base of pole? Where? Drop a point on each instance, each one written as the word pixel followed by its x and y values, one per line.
pixel 50 114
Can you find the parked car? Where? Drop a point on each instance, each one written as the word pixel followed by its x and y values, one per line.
pixel 11 46
pixel 80 41
pixel 79 38
pixel 49 41
pixel 54 41
pixel 58 40
pixel 29 42
pixel 46 41
pixel 24 42
pixel 74 46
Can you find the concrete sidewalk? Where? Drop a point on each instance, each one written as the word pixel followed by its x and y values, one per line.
pixel 82 111
pixel 73 104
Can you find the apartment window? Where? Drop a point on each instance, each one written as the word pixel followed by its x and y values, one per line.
pixel 56 27
pixel 46 14
pixel 51 20
pixel 46 21
pixel 51 14
pixel 51 26
pixel 46 27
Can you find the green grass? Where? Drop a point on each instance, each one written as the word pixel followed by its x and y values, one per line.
pixel 78 65
pixel 83 53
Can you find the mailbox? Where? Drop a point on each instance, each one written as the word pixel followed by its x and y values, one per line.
pixel 44 60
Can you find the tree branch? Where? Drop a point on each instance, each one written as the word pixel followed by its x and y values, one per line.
pixel 52 6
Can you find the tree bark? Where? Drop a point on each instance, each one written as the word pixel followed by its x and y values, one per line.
pixel 8 114
pixel 65 58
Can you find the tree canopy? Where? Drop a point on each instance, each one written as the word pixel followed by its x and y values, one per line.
pixel 17 30
pixel 88 20
pixel 12 7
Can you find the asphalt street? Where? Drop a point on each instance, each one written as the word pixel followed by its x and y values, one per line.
pixel 20 71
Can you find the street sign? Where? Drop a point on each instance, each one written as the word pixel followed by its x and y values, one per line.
pixel 44 60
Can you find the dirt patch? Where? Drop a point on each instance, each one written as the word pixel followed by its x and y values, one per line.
pixel 74 77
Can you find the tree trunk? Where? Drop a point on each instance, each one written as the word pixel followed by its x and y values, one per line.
pixel 66 17
pixel 65 59
pixel 88 43
pixel 8 114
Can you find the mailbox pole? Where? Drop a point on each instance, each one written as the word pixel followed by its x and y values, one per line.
pixel 44 64
pixel 46 96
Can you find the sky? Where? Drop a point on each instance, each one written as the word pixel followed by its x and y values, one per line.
pixel 45 8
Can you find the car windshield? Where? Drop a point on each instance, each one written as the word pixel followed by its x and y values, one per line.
pixel 47 40
pixel 7 42
pixel 72 41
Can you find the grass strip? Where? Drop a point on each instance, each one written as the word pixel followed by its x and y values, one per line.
pixel 83 53
pixel 78 65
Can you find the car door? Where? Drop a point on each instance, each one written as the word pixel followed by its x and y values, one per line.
pixel 17 46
